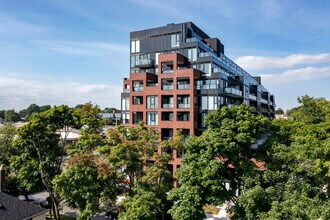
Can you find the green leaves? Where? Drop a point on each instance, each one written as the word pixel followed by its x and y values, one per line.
pixel 221 154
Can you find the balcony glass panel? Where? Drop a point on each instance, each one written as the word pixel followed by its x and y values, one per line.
pixel 233 91
pixel 167 86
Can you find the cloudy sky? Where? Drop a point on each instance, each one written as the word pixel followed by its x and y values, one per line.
pixel 71 52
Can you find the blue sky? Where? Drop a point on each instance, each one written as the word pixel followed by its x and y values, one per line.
pixel 70 52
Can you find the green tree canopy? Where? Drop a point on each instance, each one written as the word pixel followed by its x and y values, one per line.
pixel 221 154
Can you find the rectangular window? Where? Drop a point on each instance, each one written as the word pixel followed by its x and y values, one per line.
pixel 152 118
pixel 135 46
pixel 137 100
pixel 152 102
pixel 192 54
pixel 175 40
pixel 125 118
pixel 156 58
pixel 209 103
pixel 125 104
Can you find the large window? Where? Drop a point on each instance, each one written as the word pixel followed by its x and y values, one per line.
pixel 125 104
pixel 125 118
pixel 207 84
pixel 152 118
pixel 135 46
pixel 175 40
pixel 192 54
pixel 152 102
pixel 137 100
pixel 206 68
pixel 209 102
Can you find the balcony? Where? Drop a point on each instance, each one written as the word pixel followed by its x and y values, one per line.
pixel 183 105
pixel 144 63
pixel 126 90
pixel 167 71
pixel 263 110
pixel 183 86
pixel 138 88
pixel 207 86
pixel 167 105
pixel 264 101
pixel 167 87
pixel 253 97
pixel 233 91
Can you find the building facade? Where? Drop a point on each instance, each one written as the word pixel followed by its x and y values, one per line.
pixel 178 74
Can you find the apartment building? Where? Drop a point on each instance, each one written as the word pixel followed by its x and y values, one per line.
pixel 178 74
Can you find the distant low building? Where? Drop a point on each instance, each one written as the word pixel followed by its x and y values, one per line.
pixel 12 208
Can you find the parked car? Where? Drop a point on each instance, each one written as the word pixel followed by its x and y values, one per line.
pixel 112 214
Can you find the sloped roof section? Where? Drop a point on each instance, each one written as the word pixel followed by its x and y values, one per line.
pixel 14 209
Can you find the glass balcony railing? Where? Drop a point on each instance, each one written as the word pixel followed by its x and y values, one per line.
pixel 183 105
pixel 183 86
pixel 167 71
pixel 144 63
pixel 126 90
pixel 167 87
pixel 207 86
pixel 167 105
pixel 253 97
pixel 233 91
pixel 264 101
pixel 152 84
pixel 138 88
pixel 263 109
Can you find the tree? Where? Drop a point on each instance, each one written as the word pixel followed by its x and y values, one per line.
pixel 7 135
pixel 87 179
pixel 40 148
pixel 297 154
pixel 279 111
pixel 2 114
pixel 108 110
pixel 11 116
pixel 142 206
pixel 221 154
pixel 90 119
pixel 308 112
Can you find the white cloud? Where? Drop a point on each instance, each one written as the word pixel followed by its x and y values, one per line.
pixel 11 25
pixel 20 93
pixel 84 48
pixel 260 62
pixel 303 74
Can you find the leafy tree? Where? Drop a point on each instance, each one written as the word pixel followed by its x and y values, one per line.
pixel 142 206
pixel 11 116
pixel 7 135
pixel 40 148
pixel 221 154
pixel 308 112
pixel 108 110
pixel 279 111
pixel 85 181
pixel 90 118
pixel 297 155
pixel 2 114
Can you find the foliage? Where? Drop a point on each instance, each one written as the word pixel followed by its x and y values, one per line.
pixel 94 179
pixel 308 112
pixel 279 111
pixel 142 206
pixel 40 152
pixel 11 116
pixel 226 144
pixel 7 135
pixel 296 182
